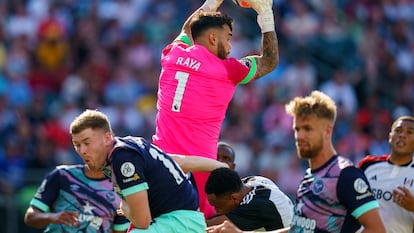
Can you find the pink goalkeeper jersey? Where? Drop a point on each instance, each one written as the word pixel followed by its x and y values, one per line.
pixel 195 88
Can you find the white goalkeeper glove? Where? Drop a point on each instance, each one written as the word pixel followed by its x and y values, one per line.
pixel 265 17
pixel 211 5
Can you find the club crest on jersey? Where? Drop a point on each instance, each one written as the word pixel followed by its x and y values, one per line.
pixel 408 182
pixel 127 169
pixel 246 62
pixel 360 185
pixel 318 186
pixel 110 196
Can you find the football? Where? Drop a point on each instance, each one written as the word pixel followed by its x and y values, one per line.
pixel 242 3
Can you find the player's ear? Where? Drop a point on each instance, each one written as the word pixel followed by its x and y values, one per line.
pixel 212 38
pixel 236 198
pixel 108 138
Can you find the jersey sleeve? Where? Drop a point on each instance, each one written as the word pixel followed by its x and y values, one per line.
pixel 241 71
pixel 47 192
pixel 250 63
pixel 129 171
pixel 354 192
pixel 259 213
pixel 121 223
pixel 184 38
pixel 245 217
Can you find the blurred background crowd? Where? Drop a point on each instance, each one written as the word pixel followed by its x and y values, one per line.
pixel 58 57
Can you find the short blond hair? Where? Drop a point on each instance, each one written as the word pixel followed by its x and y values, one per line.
pixel 317 103
pixel 93 119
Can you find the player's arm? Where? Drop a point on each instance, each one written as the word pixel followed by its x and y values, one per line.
pixel 37 219
pixel 208 6
pixel 269 57
pixel 217 220
pixel 229 227
pixel 197 163
pixel 136 209
pixel 371 221
pixel 354 191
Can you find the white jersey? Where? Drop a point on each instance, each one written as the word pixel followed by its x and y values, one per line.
pixel 384 177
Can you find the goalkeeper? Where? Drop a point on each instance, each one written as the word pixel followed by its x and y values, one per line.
pixel 198 80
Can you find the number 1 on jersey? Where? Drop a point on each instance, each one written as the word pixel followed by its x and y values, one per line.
pixel 182 78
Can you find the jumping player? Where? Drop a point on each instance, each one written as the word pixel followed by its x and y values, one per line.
pixel 198 80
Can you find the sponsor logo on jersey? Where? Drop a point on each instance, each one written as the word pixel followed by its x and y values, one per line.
pixel 374 177
pixel 382 194
pixel 127 169
pixel 306 225
pixel 135 177
pixel 360 186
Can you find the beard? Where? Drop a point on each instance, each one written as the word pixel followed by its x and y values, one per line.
pixel 308 151
pixel 221 52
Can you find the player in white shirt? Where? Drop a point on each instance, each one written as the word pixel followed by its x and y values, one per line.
pixel 391 177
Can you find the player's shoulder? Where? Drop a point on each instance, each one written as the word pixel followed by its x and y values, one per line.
pixel 370 160
pixel 70 167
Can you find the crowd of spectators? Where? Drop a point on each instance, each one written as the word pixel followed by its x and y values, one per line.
pixel 58 57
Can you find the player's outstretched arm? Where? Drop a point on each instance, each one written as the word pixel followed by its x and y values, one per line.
pixel 269 57
pixel 38 219
pixel 208 6
pixel 197 163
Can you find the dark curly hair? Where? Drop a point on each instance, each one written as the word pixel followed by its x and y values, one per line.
pixel 223 181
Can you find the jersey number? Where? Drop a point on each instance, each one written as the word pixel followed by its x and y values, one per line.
pixel 176 173
pixel 182 78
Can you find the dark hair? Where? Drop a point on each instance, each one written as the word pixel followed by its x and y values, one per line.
pixel 227 146
pixel 402 118
pixel 223 181
pixel 206 20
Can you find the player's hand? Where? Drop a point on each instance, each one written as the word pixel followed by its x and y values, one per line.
pixel 123 209
pixel 211 5
pixel 69 218
pixel 261 6
pixel 225 227
pixel 265 17
pixel 403 197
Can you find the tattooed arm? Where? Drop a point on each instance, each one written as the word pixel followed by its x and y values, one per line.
pixel 269 58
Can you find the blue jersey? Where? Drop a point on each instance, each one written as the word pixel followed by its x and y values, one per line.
pixel 137 165
pixel 68 189
pixel 332 198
